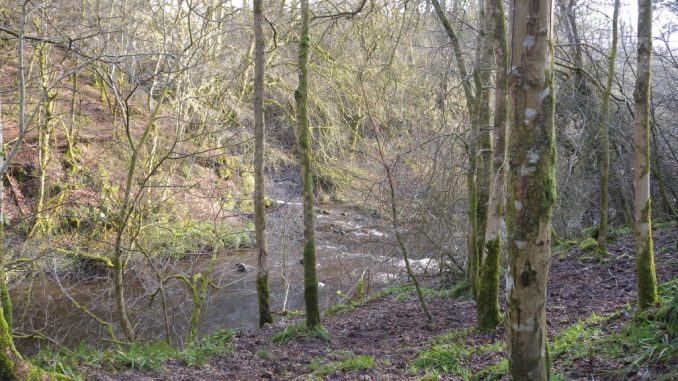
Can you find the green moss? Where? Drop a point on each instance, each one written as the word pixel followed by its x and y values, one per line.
pixel 588 244
pixel 247 184
pixel 645 267
pixel 487 305
pixel 227 200
pixel 263 297
pixel 247 205
pixel 8 354
pixel 360 288
pixel 224 172
pixel 6 300
pixel 549 188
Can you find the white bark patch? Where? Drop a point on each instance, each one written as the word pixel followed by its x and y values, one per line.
pixel 544 93
pixel 530 113
pixel 518 205
pixel 525 170
pixel 520 244
pixel 532 156
pixel 509 283
pixel 528 42
pixel 527 327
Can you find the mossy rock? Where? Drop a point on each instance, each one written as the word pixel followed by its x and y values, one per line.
pixel 225 166
pixel 73 222
pixel 224 172
pixel 247 205
pixel 588 244
pixel 247 184
pixel 612 233
pixel 228 201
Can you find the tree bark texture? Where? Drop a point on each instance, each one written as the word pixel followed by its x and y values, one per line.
pixel 604 152
pixel 488 312
pixel 304 146
pixel 531 187
pixel 645 271
pixel 259 147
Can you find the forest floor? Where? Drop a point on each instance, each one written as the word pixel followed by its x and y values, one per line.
pixel 594 332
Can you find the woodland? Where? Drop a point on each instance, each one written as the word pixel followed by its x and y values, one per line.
pixel 338 189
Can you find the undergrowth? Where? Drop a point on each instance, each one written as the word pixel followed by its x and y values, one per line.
pixel 449 353
pixel 403 293
pixel 298 330
pixel 138 356
pixel 646 340
pixel 320 367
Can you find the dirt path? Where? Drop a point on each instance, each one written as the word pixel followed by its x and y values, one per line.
pixel 394 331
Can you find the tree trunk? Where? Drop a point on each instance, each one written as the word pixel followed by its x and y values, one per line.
pixel 259 191
pixel 488 312
pixel 9 357
pixel 485 67
pixel 42 224
pixel 605 137
pixel 531 187
pixel 645 271
pixel 304 146
pixel 473 101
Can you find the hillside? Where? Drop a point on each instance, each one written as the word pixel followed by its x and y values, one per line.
pixel 594 331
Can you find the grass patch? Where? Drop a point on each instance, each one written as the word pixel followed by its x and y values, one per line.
pixel 263 354
pixel 137 356
pixel 588 244
pixel 384 292
pixel 144 356
pixel 452 355
pixel 198 353
pixel 298 330
pixel 352 363
pixel 70 362
pixel 573 340
pixel 649 340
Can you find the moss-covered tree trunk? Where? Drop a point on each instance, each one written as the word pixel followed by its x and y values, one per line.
pixel 259 191
pixel 42 224
pixel 483 168
pixel 9 357
pixel 488 312
pixel 531 187
pixel 304 146
pixel 645 271
pixel 604 151
pixel 473 102
pixel 12 365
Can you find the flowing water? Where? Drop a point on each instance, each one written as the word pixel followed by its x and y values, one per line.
pixel 350 244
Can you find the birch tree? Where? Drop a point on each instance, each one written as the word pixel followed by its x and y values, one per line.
pixel 645 271
pixel 487 305
pixel 604 153
pixel 304 146
pixel 531 187
pixel 259 138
